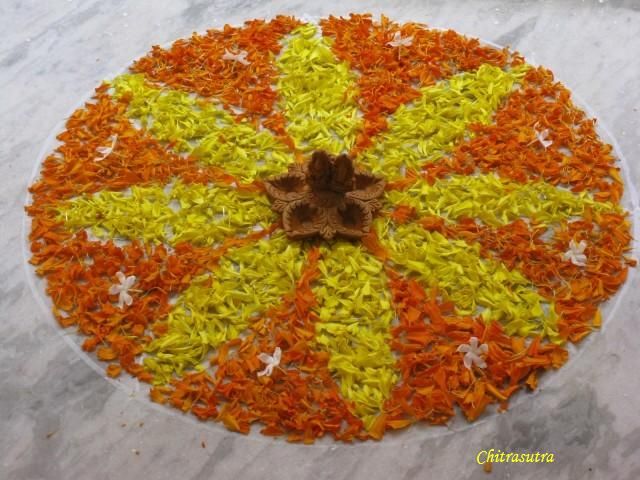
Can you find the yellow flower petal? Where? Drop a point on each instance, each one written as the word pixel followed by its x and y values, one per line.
pixel 495 201
pixel 355 316
pixel 218 307
pixel 201 214
pixel 204 130
pixel 425 129
pixel 318 94
pixel 477 286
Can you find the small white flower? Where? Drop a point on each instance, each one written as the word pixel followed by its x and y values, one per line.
pixel 399 41
pixel 576 254
pixel 271 361
pixel 241 56
pixel 122 289
pixel 542 137
pixel 473 353
pixel 106 151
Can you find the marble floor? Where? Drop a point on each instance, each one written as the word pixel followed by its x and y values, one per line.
pixel 61 419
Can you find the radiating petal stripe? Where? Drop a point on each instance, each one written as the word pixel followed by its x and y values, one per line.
pixel 388 74
pixel 200 214
pixel 204 130
pixel 317 94
pixel 218 307
pixel 573 154
pixel 355 315
pixel 495 201
pixel 475 285
pixel 425 129
pixel 198 64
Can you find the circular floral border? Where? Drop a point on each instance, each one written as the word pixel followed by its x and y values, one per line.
pixel 500 231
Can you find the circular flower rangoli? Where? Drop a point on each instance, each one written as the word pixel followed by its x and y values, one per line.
pixel 344 228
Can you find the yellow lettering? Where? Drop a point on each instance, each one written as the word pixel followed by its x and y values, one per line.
pixel 498 456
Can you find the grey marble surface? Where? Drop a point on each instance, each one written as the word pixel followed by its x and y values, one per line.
pixel 61 419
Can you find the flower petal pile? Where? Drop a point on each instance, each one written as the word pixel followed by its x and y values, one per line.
pixel 498 232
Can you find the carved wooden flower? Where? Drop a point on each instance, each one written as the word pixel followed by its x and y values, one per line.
pixel 326 196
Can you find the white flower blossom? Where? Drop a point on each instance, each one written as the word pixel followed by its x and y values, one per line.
pixel 106 151
pixel 399 41
pixel 576 254
pixel 240 57
pixel 542 137
pixel 122 289
pixel 271 361
pixel 473 353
